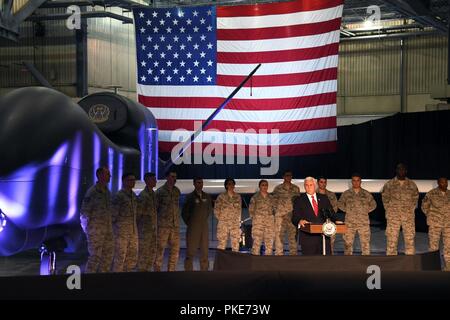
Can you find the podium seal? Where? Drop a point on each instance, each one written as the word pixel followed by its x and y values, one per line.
pixel 329 228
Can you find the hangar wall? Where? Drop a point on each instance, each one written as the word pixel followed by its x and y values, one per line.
pixel 370 71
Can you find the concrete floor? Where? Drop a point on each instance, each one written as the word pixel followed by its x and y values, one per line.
pixel 28 263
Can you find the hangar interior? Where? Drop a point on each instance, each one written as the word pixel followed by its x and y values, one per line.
pixel 393 59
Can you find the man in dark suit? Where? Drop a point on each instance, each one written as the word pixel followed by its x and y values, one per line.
pixel 309 208
pixel 195 213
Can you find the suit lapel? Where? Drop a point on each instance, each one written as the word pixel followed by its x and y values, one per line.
pixel 310 204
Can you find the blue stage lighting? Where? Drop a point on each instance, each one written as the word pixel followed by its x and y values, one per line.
pixel 2 220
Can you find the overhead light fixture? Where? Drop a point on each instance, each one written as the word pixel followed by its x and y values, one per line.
pixel 371 24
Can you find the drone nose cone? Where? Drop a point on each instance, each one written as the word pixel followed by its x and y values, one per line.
pixel 36 121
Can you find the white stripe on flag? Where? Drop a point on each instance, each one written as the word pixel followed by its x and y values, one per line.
pixel 246 138
pixel 246 116
pixel 302 42
pixel 278 68
pixel 245 93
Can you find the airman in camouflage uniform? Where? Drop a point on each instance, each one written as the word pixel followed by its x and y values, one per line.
pixel 168 206
pixel 196 211
pixel 146 222
pixel 400 196
pixel 228 210
pixel 124 206
pixel 285 194
pixel 436 206
pixel 357 202
pixel 96 223
pixel 322 189
pixel 261 209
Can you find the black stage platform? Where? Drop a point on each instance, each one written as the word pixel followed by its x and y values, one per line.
pixel 329 281
pixel 227 261
pixel 234 285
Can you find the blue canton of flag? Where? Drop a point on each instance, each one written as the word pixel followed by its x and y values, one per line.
pixel 176 46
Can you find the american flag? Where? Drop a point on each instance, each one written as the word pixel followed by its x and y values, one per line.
pixel 189 59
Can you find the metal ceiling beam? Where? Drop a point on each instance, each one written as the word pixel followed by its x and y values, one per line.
pixel 84 15
pixel 347 33
pixel 27 10
pixel 419 11
pixel 65 4
pixel 125 4
pixel 386 28
pixel 401 35
pixel 9 21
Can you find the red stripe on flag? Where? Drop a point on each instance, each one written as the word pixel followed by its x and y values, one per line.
pixel 240 104
pixel 278 56
pixel 279 80
pixel 245 150
pixel 279 32
pixel 276 8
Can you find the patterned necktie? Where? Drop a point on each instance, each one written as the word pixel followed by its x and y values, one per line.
pixel 315 205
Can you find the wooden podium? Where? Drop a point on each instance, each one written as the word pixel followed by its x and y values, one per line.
pixel 317 228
